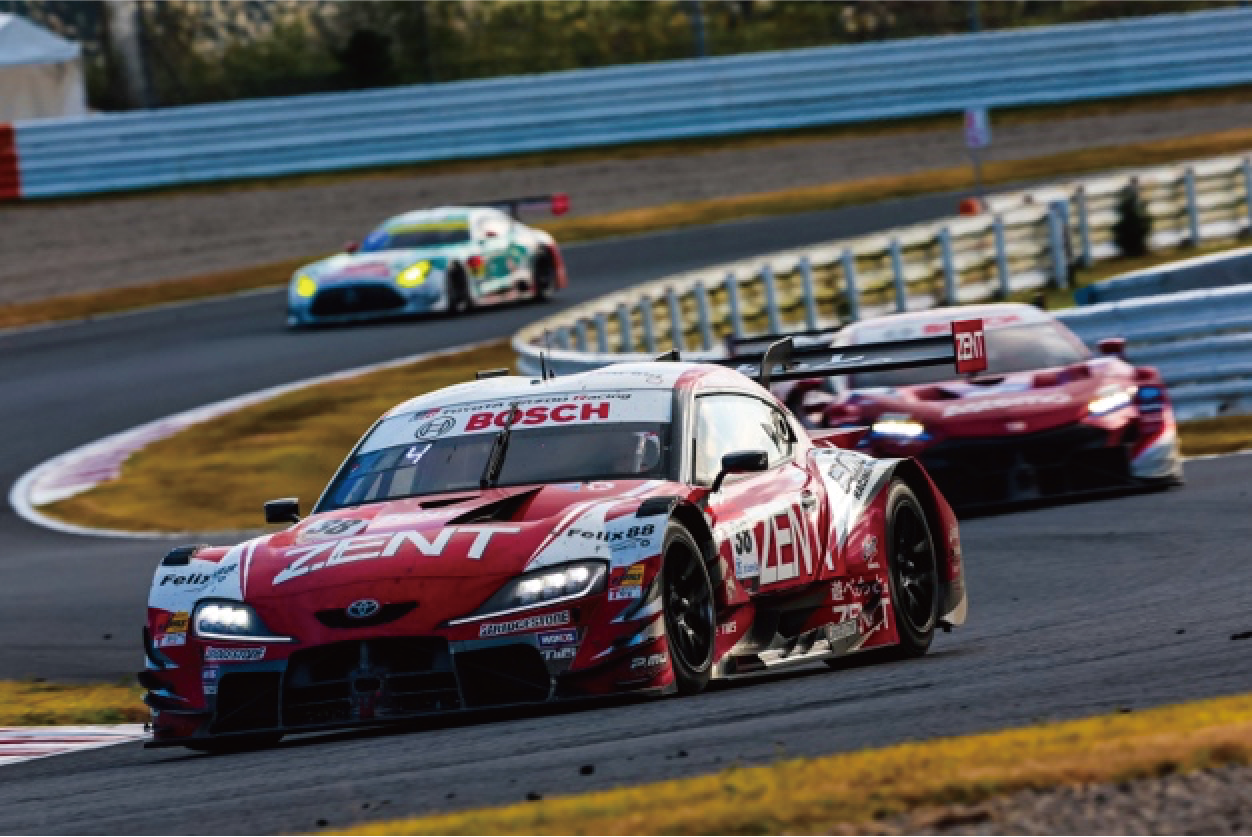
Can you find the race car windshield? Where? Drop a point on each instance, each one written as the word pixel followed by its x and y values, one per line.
pixel 637 450
pixel 1019 348
pixel 414 236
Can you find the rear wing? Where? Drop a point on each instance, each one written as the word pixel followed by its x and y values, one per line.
pixel 556 204
pixel 965 348
pixel 760 342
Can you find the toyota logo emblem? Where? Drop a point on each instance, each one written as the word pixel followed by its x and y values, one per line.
pixel 363 609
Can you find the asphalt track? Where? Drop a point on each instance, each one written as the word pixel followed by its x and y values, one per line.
pixel 1120 604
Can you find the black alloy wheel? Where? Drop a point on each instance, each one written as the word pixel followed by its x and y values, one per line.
pixel 543 277
pixel 459 299
pixel 687 600
pixel 914 568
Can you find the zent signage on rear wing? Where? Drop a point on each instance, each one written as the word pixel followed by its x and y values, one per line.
pixel 965 348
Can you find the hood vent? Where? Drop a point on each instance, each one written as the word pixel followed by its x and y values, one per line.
pixel 499 511
pixel 447 501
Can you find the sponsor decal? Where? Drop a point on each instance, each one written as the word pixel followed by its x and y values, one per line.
pixel 173 623
pixel 633 537
pixel 1006 402
pixel 649 662
pixel 727 628
pixel 436 427
pixel 365 270
pixel 551 654
pixel 208 678
pixel 530 623
pixel 170 640
pixel 841 630
pixel 851 472
pixel 869 551
pixel 234 655
pixel 561 414
pixel 623 594
pixel 308 559
pixel 552 638
pixel 839 590
pixel 195 580
pixel 970 345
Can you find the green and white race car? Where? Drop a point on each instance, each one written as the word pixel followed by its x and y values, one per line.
pixel 446 259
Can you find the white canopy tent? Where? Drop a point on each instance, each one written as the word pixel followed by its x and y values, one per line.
pixel 41 74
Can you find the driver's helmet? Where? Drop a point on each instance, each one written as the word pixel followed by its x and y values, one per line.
pixel 637 452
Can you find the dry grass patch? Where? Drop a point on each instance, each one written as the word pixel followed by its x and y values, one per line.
pixel 34 703
pixel 834 792
pixel 1228 434
pixel 216 476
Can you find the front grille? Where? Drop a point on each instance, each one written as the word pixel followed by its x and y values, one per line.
pixel 369 679
pixel 503 675
pixel 338 617
pixel 247 700
pixel 1067 460
pixel 356 299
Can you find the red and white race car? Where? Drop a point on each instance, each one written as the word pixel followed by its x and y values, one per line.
pixel 642 528
pixel 1045 419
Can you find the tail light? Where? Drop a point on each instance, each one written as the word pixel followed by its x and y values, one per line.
pixel 475 263
pixel 559 204
pixel 1150 398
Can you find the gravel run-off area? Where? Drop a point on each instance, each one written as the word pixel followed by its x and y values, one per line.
pixel 70 247
pixel 1213 801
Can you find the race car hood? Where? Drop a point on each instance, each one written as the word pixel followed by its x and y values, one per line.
pixel 463 538
pixel 1032 401
pixel 383 266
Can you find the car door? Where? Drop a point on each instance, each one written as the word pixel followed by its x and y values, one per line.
pixel 495 239
pixel 766 523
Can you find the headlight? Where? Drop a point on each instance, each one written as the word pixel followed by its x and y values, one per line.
pixel 305 286
pixel 901 427
pixel 413 276
pixel 1110 401
pixel 231 620
pixel 543 587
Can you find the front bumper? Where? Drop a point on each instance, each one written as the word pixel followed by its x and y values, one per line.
pixel 355 302
pixel 1065 461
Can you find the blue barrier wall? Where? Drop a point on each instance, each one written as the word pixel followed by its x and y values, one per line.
pixel 671 100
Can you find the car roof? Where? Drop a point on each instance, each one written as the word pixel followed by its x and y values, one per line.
pixel 435 214
pixel 932 321
pixel 619 377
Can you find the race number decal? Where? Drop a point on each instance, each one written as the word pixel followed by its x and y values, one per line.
pixel 747 553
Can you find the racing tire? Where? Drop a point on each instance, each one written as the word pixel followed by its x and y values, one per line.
pixel 543 277
pixel 236 743
pixel 459 299
pixel 913 570
pixel 687 604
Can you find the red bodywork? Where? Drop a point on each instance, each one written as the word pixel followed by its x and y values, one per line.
pixel 806 538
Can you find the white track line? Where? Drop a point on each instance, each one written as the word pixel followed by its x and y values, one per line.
pixel 89 465
pixel 19 744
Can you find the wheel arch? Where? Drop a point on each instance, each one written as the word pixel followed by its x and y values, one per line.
pixel 942 523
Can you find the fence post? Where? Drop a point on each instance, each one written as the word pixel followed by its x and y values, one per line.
pixel 949 267
pixel 1193 208
pixel 850 291
pixel 897 271
pixel 702 309
pixel 580 335
pixel 1056 236
pixel 624 324
pixel 602 333
pixel 1002 257
pixel 732 297
pixel 1084 226
pixel 771 299
pixel 675 319
pixel 1247 189
pixel 810 295
pixel 649 329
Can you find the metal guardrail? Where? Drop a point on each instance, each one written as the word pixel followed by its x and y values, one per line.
pixel 669 100
pixel 1216 271
pixel 1027 242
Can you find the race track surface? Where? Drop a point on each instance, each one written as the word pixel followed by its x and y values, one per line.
pixel 1077 609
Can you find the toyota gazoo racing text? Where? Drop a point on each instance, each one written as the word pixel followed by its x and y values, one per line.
pixel 1045 419
pixel 642 528
pixel 448 259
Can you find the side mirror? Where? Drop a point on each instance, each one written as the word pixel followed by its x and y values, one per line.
pixel 286 510
pixel 742 462
pixel 1112 346
pixel 351 246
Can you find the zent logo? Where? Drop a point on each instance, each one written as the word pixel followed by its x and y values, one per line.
pixel 970 344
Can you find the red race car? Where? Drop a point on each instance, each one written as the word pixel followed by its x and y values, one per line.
pixel 1045 419
pixel 642 528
